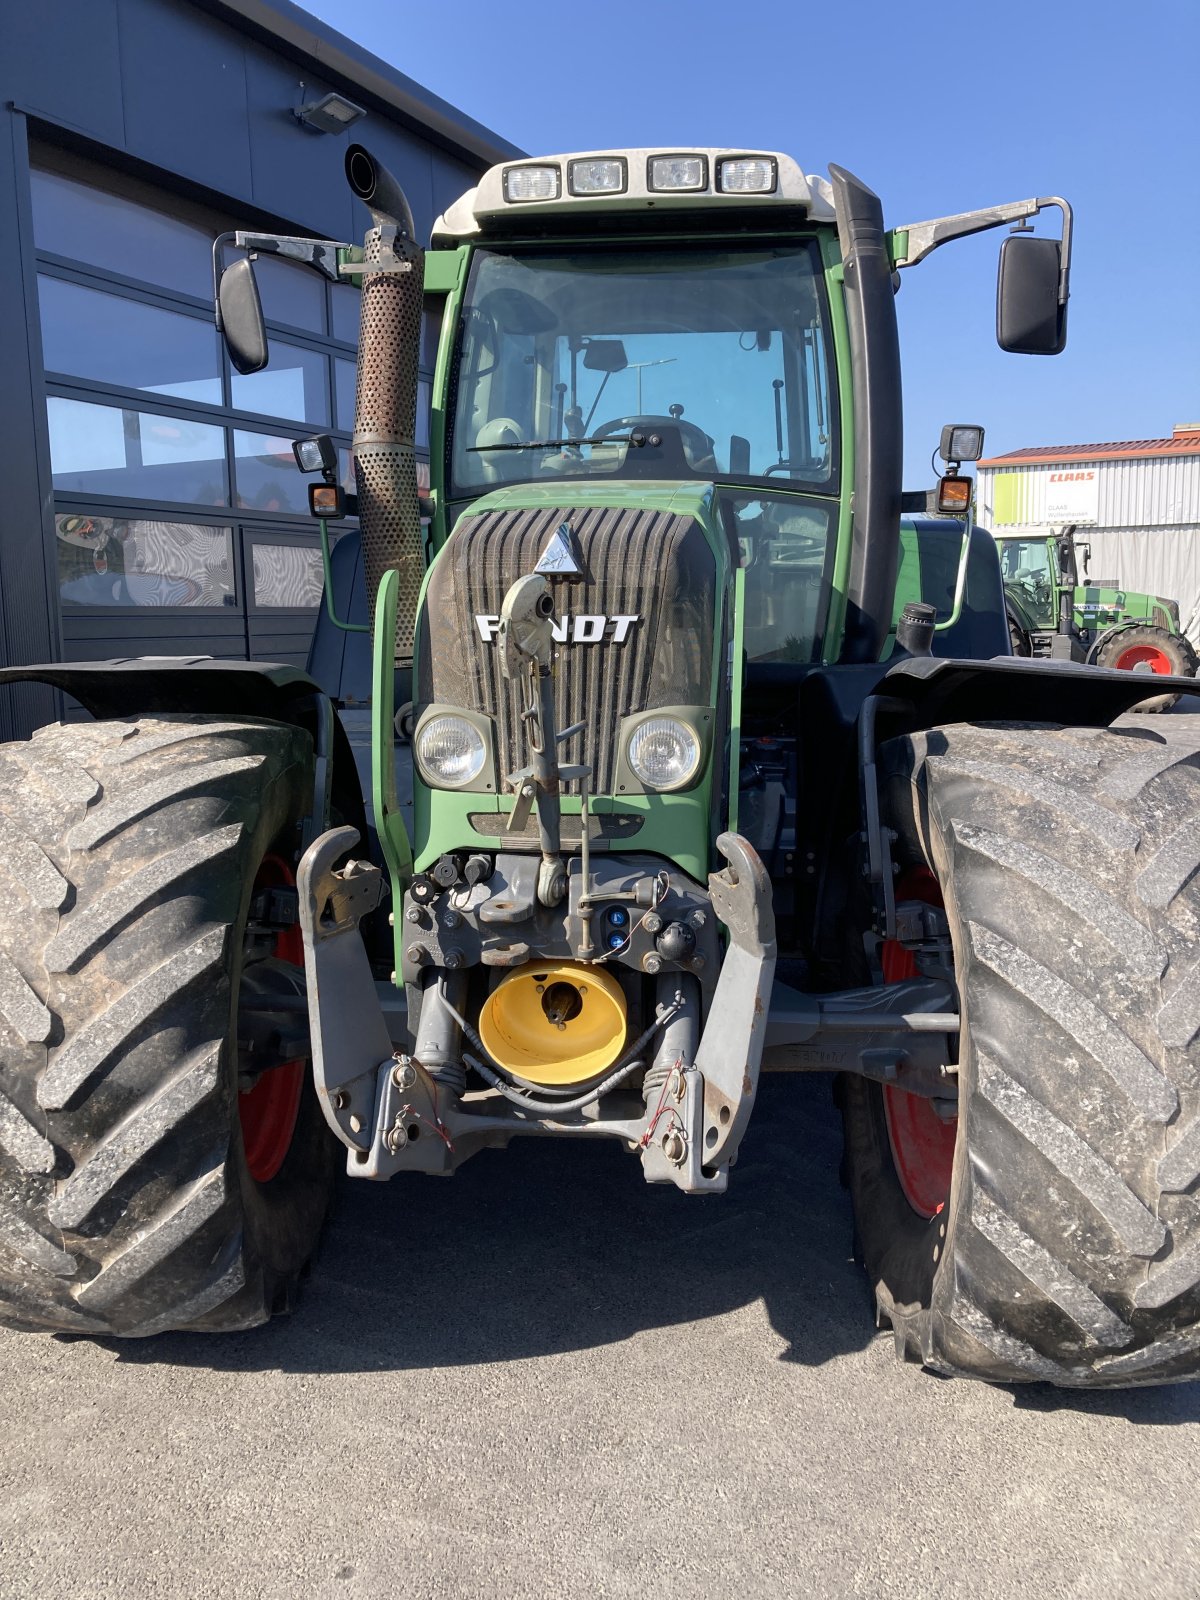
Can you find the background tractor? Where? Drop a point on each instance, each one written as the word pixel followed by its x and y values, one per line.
pixel 717 762
pixel 1051 613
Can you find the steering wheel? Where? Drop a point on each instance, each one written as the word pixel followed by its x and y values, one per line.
pixel 696 442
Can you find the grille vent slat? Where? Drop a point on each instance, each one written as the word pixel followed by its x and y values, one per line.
pixel 654 565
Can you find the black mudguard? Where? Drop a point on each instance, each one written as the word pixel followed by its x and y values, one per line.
pixel 1014 689
pixel 202 686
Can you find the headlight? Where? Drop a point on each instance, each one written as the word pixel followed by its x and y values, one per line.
pixel 664 753
pixel 531 183
pixel 677 172
pixel 746 175
pixel 606 176
pixel 451 751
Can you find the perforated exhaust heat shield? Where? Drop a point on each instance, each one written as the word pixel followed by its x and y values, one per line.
pixel 385 411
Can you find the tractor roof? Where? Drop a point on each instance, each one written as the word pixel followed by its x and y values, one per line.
pixel 644 181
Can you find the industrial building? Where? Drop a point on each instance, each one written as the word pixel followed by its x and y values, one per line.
pixel 1137 500
pixel 152 505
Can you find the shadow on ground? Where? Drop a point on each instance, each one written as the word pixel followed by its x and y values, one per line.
pixel 553 1247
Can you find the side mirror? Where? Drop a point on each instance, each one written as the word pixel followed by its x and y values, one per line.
pixel 605 355
pixel 1031 303
pixel 240 317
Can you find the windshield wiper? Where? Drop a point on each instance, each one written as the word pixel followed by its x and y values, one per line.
pixel 559 444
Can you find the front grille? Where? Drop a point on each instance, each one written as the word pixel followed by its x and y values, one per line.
pixel 652 565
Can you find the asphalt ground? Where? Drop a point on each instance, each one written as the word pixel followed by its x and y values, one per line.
pixel 543 1378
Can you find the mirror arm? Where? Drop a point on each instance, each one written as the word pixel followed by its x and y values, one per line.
pixel 319 254
pixel 923 237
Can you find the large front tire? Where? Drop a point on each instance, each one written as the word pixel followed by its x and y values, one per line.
pixel 1067 1245
pixel 128 854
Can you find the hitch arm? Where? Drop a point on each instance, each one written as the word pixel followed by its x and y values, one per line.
pixel 342 1003
pixel 730 1049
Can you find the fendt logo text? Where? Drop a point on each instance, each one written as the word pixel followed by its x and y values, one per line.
pixel 585 629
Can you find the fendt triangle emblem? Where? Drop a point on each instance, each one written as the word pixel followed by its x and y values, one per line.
pixel 562 557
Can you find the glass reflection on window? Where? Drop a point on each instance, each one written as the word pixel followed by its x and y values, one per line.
pixel 118 561
pixel 720 352
pixel 287 576
pixel 783 542
pixel 344 378
pixel 290 293
pixel 126 343
pixel 267 478
pixel 120 451
pixel 345 301
pixel 292 384
pixel 83 223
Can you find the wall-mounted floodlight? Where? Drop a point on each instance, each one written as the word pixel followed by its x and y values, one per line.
pixel 332 113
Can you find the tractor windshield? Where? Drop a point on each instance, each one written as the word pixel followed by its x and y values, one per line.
pixel 1031 575
pixel 719 360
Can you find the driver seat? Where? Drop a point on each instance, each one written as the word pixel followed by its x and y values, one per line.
pixel 500 430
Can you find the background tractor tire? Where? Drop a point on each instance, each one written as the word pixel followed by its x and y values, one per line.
pixel 1157 649
pixel 1065 1246
pixel 1018 638
pixel 128 852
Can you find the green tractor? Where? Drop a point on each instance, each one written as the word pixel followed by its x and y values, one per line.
pixel 717 763
pixel 1052 613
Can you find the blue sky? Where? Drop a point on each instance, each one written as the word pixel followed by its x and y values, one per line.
pixel 940 108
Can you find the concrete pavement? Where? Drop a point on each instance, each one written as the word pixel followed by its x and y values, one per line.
pixel 542 1378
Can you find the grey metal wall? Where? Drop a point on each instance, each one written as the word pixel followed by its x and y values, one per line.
pixel 167 83
pixel 1143 491
pixel 196 98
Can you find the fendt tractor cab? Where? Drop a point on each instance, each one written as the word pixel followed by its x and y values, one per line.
pixel 720 763
pixel 1056 608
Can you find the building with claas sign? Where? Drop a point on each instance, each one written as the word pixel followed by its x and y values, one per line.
pixel 1136 503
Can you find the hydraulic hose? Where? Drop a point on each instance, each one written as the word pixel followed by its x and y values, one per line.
pixel 628 1064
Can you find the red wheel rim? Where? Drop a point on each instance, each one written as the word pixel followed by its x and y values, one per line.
pixel 268 1112
pixel 922 1143
pixel 1145 655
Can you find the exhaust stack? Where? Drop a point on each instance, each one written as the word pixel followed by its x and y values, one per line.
pixel 385 409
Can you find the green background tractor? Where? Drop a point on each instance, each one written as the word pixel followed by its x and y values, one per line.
pixel 717 762
pixel 1053 613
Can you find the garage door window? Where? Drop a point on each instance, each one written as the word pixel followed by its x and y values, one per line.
pixel 137 455
pixel 287 576
pixel 127 344
pixel 119 561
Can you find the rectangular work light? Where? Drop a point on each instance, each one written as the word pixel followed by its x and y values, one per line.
pixel 522 184
pixel 677 173
pixel 317 454
pixel 602 176
pixel 961 441
pixel 746 175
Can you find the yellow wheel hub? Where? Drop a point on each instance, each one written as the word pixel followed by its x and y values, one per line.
pixel 554 1023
